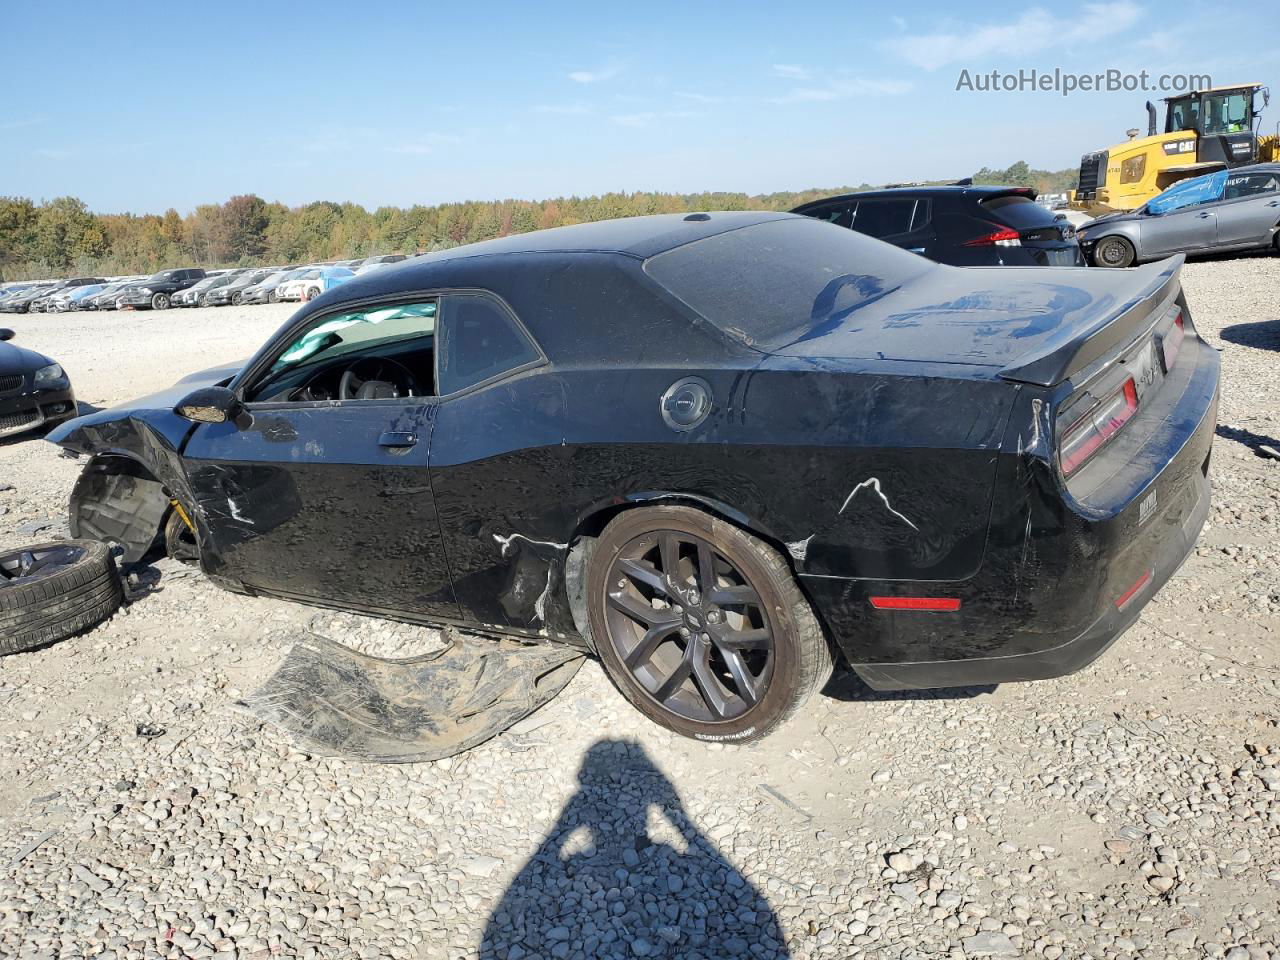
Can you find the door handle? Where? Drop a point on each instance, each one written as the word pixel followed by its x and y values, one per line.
pixel 397 440
pixel 1274 203
pixel 1204 216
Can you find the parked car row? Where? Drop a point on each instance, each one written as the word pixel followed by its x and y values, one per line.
pixel 185 287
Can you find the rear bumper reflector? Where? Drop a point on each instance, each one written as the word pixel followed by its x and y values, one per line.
pixel 1123 600
pixel 945 604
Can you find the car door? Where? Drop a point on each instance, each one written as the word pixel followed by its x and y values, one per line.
pixel 320 491
pixel 493 489
pixel 1184 218
pixel 1249 210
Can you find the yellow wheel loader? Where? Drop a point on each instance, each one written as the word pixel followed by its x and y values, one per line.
pixel 1204 131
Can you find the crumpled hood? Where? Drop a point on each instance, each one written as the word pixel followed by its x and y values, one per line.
pixel 15 359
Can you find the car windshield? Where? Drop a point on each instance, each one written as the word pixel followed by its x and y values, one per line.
pixel 1189 193
pixel 780 282
pixel 160 277
pixel 350 330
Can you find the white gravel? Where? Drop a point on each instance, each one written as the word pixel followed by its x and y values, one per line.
pixel 1132 810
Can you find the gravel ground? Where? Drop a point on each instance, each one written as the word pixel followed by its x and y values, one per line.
pixel 1130 810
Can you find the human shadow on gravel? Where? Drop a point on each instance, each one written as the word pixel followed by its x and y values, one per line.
pixel 604 884
pixel 848 687
pixel 1248 438
pixel 1263 336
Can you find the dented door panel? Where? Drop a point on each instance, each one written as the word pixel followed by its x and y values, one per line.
pixel 304 501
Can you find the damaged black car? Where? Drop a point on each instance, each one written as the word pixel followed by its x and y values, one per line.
pixel 717 451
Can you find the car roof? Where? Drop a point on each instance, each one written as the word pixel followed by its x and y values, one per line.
pixel 640 237
pixel 981 192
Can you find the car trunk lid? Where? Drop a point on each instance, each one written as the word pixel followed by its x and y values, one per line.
pixel 1030 324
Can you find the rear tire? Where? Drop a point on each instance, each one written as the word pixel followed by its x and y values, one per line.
pixel 78 588
pixel 1113 252
pixel 762 655
pixel 160 301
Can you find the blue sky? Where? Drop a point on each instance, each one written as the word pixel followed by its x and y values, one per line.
pixel 146 106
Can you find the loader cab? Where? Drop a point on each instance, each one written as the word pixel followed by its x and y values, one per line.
pixel 1224 121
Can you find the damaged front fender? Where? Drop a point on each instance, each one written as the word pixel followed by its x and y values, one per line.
pixel 134 472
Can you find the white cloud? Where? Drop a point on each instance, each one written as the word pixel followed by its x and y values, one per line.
pixel 563 109
pixel 791 71
pixel 595 76
pixel 842 86
pixel 1034 31
pixel 648 117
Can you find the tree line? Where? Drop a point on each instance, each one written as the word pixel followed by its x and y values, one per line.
pixel 61 237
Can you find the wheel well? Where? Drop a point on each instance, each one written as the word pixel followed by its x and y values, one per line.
pixel 589 528
pixel 118 500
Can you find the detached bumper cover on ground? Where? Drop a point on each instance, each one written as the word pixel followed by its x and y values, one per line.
pixel 336 701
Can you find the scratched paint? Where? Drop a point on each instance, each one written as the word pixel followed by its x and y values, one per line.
pixel 874 484
pixel 507 544
pixel 799 549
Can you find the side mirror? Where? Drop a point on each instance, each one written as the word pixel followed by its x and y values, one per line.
pixel 6 333
pixel 208 405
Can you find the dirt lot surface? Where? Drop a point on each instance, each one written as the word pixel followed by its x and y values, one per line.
pixel 1130 810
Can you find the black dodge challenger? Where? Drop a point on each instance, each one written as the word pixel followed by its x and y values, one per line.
pixel 713 449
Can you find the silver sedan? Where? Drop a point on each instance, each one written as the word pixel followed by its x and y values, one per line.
pixel 1228 210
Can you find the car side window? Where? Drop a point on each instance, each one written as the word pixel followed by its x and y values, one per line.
pixel 884 218
pixel 1251 185
pixel 479 340
pixel 374 353
pixel 841 214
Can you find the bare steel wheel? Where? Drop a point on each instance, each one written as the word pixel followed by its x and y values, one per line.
pixel 1113 252
pixel 701 625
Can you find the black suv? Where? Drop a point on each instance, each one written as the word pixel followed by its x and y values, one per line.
pixel 963 225
pixel 156 291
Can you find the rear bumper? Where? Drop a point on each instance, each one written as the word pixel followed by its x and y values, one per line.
pixel 1061 578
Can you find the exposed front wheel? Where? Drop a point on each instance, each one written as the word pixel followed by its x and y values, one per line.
pixel 701 625
pixel 312 293
pixel 1113 252
pixel 272 298
pixel 236 299
pixel 160 301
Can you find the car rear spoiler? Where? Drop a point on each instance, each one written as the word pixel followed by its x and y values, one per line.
pixel 1071 350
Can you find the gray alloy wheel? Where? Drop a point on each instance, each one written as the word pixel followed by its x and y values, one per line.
pixel 160 301
pixel 701 625
pixel 52 591
pixel 237 299
pixel 313 292
pixel 271 297
pixel 1113 252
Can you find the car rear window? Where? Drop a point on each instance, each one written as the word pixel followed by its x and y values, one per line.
pixel 775 283
pixel 1018 211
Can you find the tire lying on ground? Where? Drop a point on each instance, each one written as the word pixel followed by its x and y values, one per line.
pixel 52 591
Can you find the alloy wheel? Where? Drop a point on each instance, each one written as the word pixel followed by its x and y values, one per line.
pixel 688 626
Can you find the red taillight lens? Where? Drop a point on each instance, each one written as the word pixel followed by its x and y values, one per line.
pixel 1172 341
pixel 1083 438
pixel 945 604
pixel 999 237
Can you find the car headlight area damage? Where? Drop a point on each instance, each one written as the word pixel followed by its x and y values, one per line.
pixel 715 451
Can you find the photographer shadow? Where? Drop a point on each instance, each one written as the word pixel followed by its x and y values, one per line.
pixel 623 873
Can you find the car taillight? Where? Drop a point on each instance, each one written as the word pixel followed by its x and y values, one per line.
pixel 1172 341
pixel 1083 438
pixel 999 237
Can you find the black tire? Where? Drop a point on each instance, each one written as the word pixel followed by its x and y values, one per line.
pixel 272 298
pixel 781 671
pixel 160 301
pixel 236 299
pixel 77 587
pixel 1113 252
pixel 312 293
